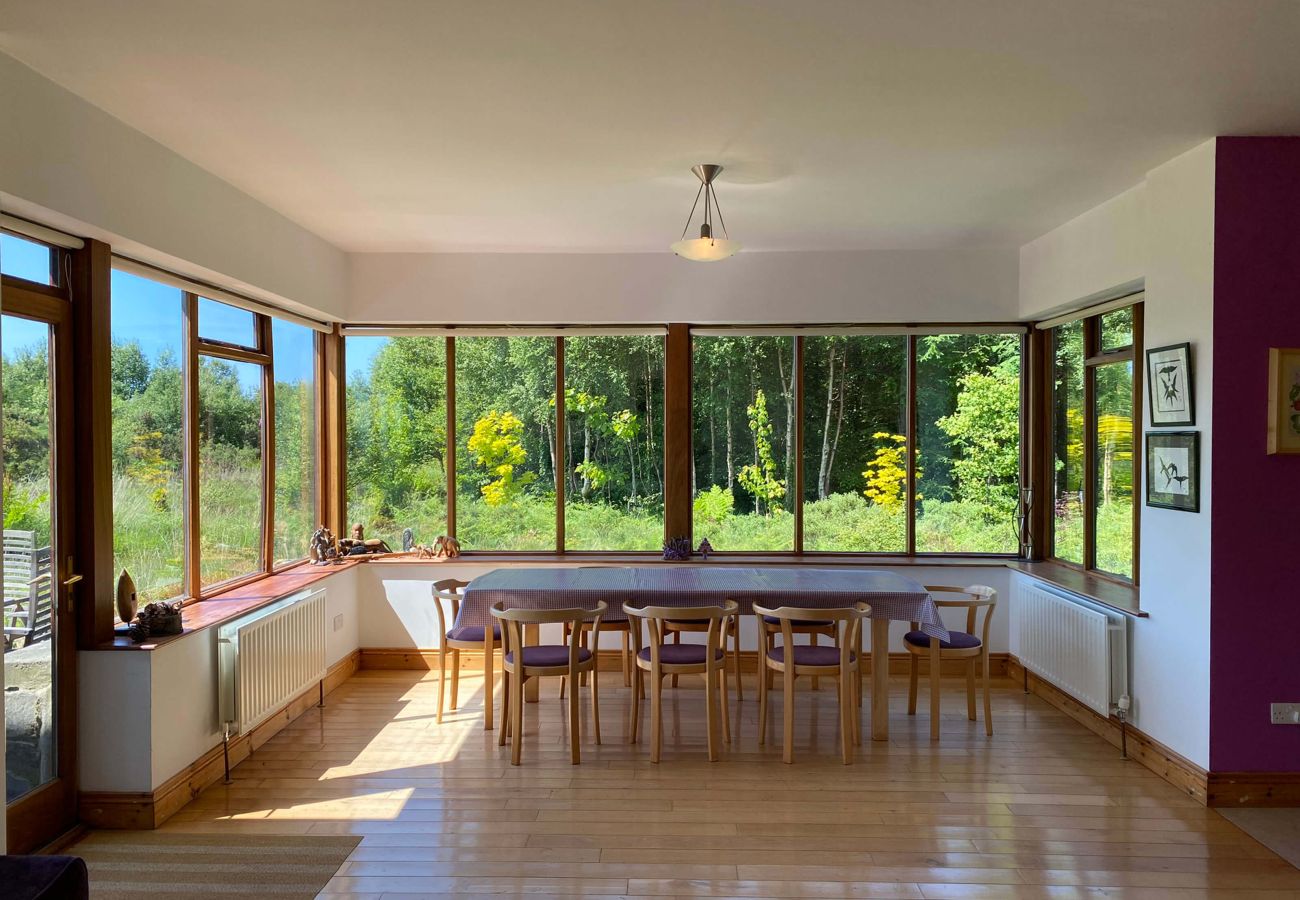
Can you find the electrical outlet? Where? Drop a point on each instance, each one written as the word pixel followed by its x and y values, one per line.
pixel 338 622
pixel 1284 713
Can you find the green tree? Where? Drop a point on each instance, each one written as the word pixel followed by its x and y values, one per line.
pixel 760 479
pixel 985 431
pixel 496 447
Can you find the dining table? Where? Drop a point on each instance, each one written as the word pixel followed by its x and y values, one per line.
pixel 891 596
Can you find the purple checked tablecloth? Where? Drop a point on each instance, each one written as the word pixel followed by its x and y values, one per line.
pixel 891 596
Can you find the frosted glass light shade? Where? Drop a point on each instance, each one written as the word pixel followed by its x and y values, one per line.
pixel 706 249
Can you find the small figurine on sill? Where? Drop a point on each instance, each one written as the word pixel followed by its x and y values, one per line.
pixel 705 548
pixel 323 550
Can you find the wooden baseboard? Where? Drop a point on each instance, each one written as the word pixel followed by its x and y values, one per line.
pixel 471 661
pixel 1174 768
pixel 1273 789
pixel 146 810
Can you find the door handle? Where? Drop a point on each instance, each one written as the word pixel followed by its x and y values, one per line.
pixel 71 580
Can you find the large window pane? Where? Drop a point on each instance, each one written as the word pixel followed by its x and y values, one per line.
pixel 1067 442
pixel 855 444
pixel 1114 472
pixel 744 442
pixel 225 323
pixel 148 499
pixel 613 399
pixel 295 438
pixel 505 440
pixel 968 440
pixel 30 657
pixel 26 259
pixel 397 436
pixel 230 469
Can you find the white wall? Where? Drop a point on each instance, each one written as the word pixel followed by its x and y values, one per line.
pixel 395 603
pixel 71 165
pixel 961 285
pixel 144 716
pixel 1161 232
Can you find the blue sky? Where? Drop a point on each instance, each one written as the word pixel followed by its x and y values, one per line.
pixel 150 314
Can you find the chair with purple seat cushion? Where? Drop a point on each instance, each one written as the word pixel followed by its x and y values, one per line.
pixel 659 660
pixel 789 660
pixel 770 626
pixel 679 626
pixel 468 637
pixel 962 645
pixel 570 660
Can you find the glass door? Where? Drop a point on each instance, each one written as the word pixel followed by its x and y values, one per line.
pixel 38 641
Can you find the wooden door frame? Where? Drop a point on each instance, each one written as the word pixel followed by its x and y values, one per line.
pixel 43 814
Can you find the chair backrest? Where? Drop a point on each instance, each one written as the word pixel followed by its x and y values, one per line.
pixel 514 619
pixel 973 599
pixel 655 616
pixel 847 620
pixel 448 589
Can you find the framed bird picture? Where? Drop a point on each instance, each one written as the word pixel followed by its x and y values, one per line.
pixel 1174 470
pixel 1169 385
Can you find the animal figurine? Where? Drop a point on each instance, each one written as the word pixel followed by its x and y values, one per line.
pixel 446 547
pixel 408 540
pixel 323 549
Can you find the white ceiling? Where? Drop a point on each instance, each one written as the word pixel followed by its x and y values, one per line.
pixel 571 126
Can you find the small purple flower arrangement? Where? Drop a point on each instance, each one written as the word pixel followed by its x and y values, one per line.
pixel 677 549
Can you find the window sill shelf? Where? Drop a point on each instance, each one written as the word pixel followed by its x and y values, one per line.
pixel 237 601
pixel 1120 597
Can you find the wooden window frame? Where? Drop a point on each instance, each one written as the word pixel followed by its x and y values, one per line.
pixel 1094 357
pixel 678 427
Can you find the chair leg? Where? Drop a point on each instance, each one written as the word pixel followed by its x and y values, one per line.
pixel 988 701
pixel 735 657
pixel 489 652
pixel 970 688
pixel 656 714
pixel 814 640
pixel 726 713
pixel 913 676
pixel 627 660
pixel 565 631
pixel 936 671
pixel 442 679
pixel 846 717
pixel 711 710
pixel 762 701
pixel 504 731
pixel 455 677
pixel 517 719
pixel 637 688
pixel 584 641
pixel 575 752
pixel 787 711
pixel 595 700
pixel 677 639
pixel 855 709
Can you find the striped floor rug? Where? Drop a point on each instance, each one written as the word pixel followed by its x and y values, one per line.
pixel 161 866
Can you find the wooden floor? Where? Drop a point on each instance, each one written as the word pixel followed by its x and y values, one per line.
pixel 1042 809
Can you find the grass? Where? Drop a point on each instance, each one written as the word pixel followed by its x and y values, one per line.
pixel 149 536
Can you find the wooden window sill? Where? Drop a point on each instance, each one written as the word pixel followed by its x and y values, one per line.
pixel 652 558
pixel 1116 595
pixel 238 600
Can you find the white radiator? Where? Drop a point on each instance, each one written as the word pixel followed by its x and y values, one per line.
pixel 269 657
pixel 1080 647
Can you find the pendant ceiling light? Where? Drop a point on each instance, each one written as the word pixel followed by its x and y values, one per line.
pixel 706 247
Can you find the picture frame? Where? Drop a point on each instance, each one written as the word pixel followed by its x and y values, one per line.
pixel 1170 388
pixel 1283 400
pixel 1173 475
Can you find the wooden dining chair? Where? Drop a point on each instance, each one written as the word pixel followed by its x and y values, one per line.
pixel 678 626
pixel 464 637
pixel 660 659
pixel 622 626
pixel 790 660
pixel 522 663
pixel 770 626
pixel 960 645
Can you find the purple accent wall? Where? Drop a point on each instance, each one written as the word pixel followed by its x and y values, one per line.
pixel 1255 532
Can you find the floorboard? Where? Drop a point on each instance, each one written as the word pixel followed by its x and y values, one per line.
pixel 1043 809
